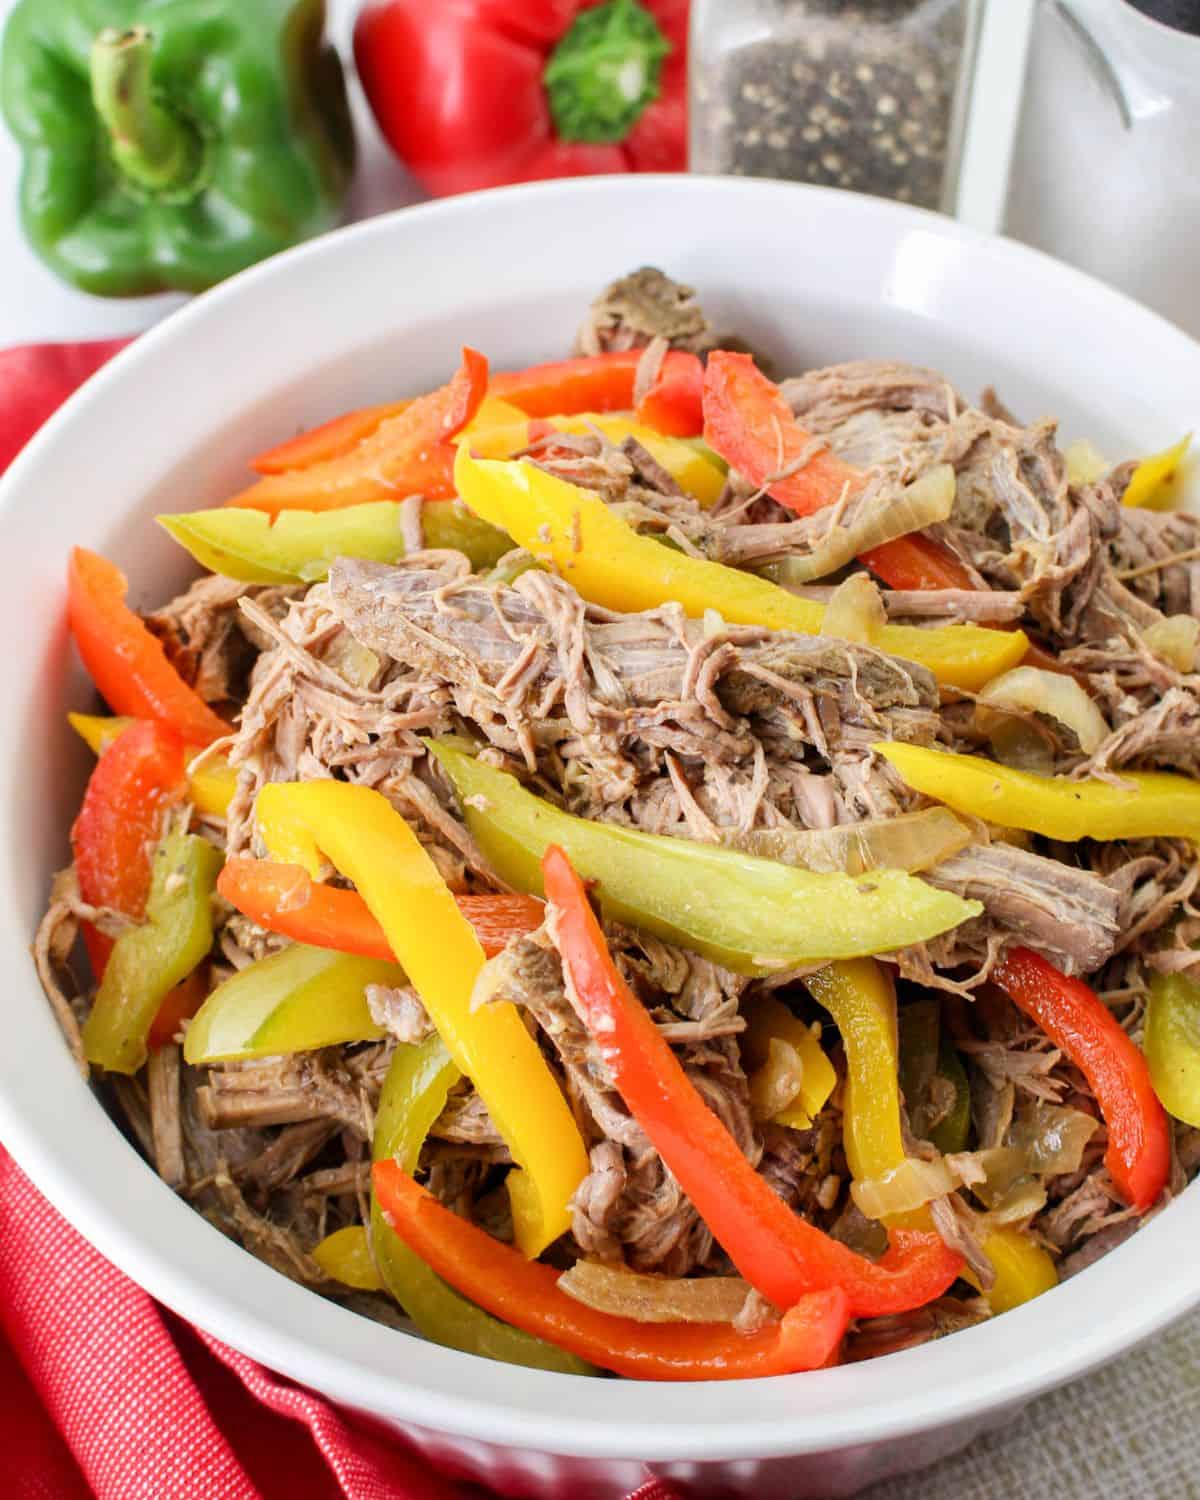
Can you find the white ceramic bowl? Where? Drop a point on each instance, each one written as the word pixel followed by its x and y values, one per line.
pixel 379 310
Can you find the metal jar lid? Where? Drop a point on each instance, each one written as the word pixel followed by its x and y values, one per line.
pixel 1183 15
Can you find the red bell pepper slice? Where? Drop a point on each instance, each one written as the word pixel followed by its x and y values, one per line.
pixel 331 440
pixel 605 382
pixel 406 454
pixel 776 1250
pixel 525 1294
pixel 284 899
pixel 917 562
pixel 127 663
pixel 179 1005
pixel 1076 1020
pixel 481 92
pixel 120 820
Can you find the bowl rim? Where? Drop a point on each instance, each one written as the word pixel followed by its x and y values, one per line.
pixel 996 1365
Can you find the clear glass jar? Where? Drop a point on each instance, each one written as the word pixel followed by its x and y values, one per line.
pixel 861 94
pixel 1106 166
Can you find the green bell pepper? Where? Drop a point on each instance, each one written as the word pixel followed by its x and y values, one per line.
pixel 1171 1043
pixel 752 915
pixel 149 960
pixel 298 546
pixel 926 1055
pixel 293 1001
pixel 413 1096
pixel 169 143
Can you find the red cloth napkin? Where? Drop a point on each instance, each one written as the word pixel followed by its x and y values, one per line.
pixel 104 1393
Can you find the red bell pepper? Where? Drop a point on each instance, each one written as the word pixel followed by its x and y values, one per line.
pixel 120 821
pixel 331 440
pixel 37 378
pixel 917 562
pixel 179 1005
pixel 127 663
pixel 476 93
pixel 525 1293
pixel 605 382
pixel 409 453
pixel 1076 1020
pixel 776 1250
pixel 285 899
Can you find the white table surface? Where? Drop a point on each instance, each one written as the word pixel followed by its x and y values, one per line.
pixel 1128 1433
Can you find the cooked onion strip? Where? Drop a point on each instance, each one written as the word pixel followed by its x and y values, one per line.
pixel 655 1299
pixel 1175 640
pixel 855 612
pixel 1032 690
pixel 910 1185
pixel 882 516
pixel 911 842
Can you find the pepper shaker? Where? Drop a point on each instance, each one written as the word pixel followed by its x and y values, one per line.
pixel 1106 163
pixel 861 94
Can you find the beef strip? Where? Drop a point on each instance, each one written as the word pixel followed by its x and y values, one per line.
pixel 644 305
pixel 1069 914
pixel 629 1205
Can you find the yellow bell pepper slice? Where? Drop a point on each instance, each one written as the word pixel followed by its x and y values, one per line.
pixel 859 995
pixel 697 473
pixel 1152 484
pixel 365 838
pixel 610 564
pixel 346 1256
pixel 1154 804
pixel 210 786
pixel 1023 1270
pixel 768 1019
pixel 860 998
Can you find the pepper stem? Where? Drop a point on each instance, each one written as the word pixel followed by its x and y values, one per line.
pixel 151 146
pixel 605 71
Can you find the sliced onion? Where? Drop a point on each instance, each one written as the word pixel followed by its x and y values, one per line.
pixel 357 663
pixel 856 612
pixel 775 1085
pixel 1025 1198
pixel 881 517
pixel 1032 690
pixel 1175 639
pixel 911 842
pixel 1085 463
pixel 655 1299
pixel 1051 1137
pixel 908 1186
pixel 1002 1168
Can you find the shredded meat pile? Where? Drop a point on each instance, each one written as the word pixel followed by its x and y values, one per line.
pixel 707 732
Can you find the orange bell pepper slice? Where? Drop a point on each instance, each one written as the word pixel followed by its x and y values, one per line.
pixel 330 440
pixel 526 1294
pixel 409 453
pixel 127 663
pixel 1076 1020
pixel 779 1252
pixel 605 382
pixel 285 899
pixel 112 839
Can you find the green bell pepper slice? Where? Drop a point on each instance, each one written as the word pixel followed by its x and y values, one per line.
pixel 293 1001
pixel 298 546
pixel 149 960
pixel 413 1096
pixel 169 143
pixel 1171 1042
pixel 754 916
pixel 925 1054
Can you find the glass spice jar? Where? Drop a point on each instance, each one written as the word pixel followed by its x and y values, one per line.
pixel 861 94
